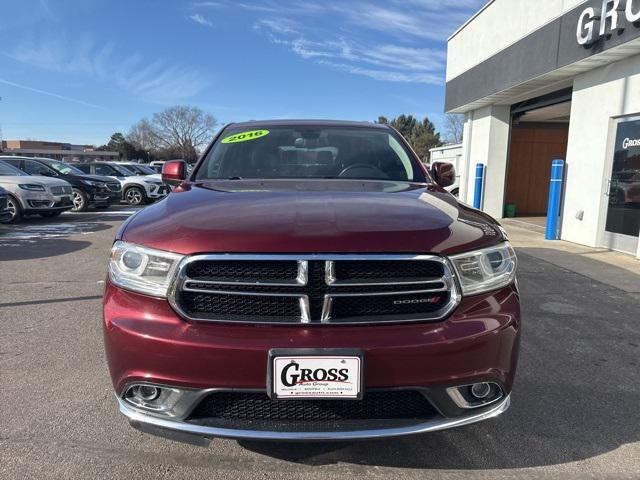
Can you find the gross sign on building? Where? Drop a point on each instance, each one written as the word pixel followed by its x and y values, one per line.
pixel 612 17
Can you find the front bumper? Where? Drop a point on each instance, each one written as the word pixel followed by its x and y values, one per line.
pixel 187 432
pixel 35 204
pixel 146 341
pixel 157 191
pixel 104 197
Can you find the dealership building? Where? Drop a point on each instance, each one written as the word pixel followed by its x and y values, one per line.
pixel 65 152
pixel 553 79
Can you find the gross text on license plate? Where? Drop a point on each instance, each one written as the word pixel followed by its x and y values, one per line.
pixel 318 377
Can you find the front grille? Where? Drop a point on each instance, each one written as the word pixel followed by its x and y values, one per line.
pixel 375 405
pixel 242 307
pixel 61 190
pixel 354 271
pixel 314 290
pixel 410 304
pixel 252 271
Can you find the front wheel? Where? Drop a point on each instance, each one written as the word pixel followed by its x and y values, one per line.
pixel 134 196
pixel 15 211
pixel 50 214
pixel 80 202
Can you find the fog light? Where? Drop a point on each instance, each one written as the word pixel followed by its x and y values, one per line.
pixel 146 393
pixel 480 390
pixel 154 398
pixel 476 395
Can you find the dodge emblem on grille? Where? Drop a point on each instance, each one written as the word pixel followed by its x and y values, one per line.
pixel 416 300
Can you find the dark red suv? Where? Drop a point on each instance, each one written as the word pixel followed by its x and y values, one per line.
pixel 310 280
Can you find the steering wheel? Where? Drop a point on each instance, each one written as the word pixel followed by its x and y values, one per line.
pixel 377 173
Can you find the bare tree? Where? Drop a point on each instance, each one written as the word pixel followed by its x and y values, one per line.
pixel 141 136
pixel 454 125
pixel 178 130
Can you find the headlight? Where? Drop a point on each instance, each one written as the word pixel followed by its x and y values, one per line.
pixel 142 269
pixel 486 269
pixel 92 183
pixel 33 187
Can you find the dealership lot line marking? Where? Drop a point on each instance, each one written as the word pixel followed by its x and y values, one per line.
pixel 53 230
pixel 106 212
pixel 25 232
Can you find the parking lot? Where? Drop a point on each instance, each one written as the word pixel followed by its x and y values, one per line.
pixel 574 412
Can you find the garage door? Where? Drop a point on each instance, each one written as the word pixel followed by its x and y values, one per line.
pixel 532 150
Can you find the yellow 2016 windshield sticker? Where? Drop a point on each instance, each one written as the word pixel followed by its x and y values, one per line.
pixel 245 136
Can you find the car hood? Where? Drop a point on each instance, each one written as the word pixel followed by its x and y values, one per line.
pixel 312 216
pixel 18 179
pixel 139 179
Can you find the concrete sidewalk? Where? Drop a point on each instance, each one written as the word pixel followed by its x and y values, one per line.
pixel 612 268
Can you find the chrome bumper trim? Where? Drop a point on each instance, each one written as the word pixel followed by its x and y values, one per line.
pixel 431 426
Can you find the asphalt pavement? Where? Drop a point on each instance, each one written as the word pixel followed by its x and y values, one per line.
pixel 575 406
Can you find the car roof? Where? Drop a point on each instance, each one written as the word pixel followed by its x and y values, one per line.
pixel 307 123
pixel 18 157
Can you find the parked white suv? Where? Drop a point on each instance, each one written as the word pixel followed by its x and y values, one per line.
pixel 136 189
pixel 34 195
pixel 141 169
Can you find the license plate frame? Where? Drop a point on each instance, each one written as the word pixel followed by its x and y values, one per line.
pixel 311 354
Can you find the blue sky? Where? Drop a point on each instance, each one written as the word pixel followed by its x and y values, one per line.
pixel 76 71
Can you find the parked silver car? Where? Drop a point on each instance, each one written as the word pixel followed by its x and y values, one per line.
pixel 33 195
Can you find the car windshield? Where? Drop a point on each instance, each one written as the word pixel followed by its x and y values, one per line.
pixel 310 152
pixel 7 170
pixel 123 171
pixel 142 169
pixel 65 168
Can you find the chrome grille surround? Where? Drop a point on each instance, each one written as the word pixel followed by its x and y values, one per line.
pixel 61 190
pixel 445 283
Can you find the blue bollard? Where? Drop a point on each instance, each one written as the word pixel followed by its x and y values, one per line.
pixel 477 194
pixel 555 194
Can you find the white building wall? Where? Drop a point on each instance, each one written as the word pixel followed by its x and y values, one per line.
pixel 500 24
pixel 486 141
pixel 598 97
pixel 448 153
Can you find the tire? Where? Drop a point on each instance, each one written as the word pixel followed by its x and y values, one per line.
pixel 80 201
pixel 14 209
pixel 135 196
pixel 50 214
